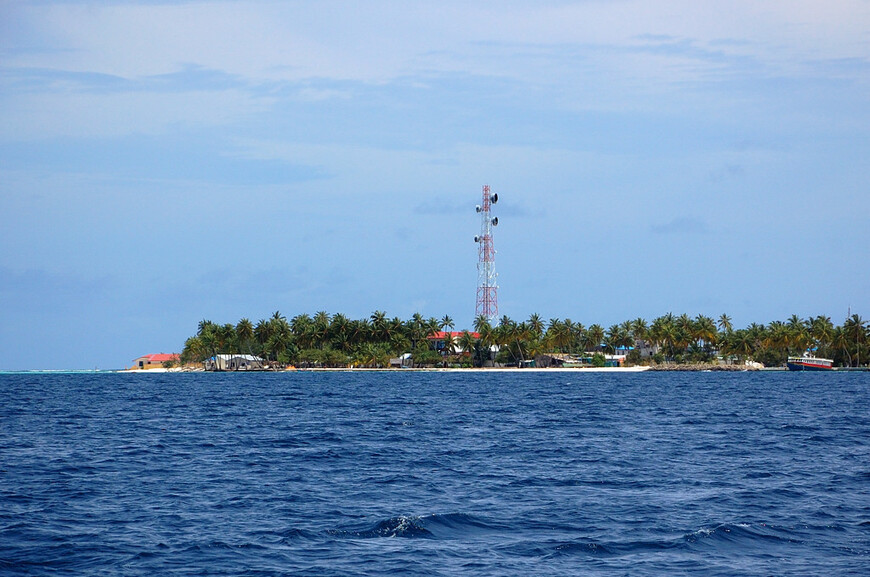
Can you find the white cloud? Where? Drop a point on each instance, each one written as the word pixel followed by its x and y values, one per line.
pixel 621 56
pixel 380 40
pixel 87 115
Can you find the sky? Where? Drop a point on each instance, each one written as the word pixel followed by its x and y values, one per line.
pixel 167 162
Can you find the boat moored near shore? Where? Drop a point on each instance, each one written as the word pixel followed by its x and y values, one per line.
pixel 806 363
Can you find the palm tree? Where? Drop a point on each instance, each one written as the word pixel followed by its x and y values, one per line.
pixel 487 338
pixel 302 327
pixel 379 326
pixel 504 332
pixel 536 325
pixel 277 317
pixel 558 335
pixel 226 338
pixel 299 323
pixel 396 333
pixel 778 339
pixel 639 329
pixel 360 332
pixel 595 336
pixel 579 338
pixel 705 330
pixel 739 343
pixel 481 321
pixel 842 341
pixel 467 342
pixel 205 326
pixel 194 350
pixel 341 342
pixel 338 332
pixel 524 340
pixel 416 329
pixel 245 334
pixel 795 322
pixel 262 332
pixel 378 318
pixel 569 335
pixel 724 323
pixel 433 326
pixel 799 338
pixel 822 332
pixel 687 330
pixel 612 338
pixel 511 335
pixel 655 333
pixel 449 344
pixel 209 343
pixel 372 355
pixel 551 337
pixel 757 334
pixel 856 331
pixel 280 342
pixel 320 329
pixel 663 333
pixel 399 342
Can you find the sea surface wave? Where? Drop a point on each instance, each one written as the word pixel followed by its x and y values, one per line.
pixel 435 474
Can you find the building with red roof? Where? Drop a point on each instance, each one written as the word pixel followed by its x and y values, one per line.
pixel 436 340
pixel 439 335
pixel 155 361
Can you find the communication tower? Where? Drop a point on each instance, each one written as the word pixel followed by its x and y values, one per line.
pixel 487 289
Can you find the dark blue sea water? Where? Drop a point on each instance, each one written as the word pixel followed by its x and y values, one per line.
pixel 435 474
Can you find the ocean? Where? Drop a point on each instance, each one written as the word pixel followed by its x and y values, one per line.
pixel 424 473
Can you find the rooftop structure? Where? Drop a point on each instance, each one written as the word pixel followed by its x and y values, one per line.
pixel 155 360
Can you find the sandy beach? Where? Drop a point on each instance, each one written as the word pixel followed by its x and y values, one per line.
pixel 428 370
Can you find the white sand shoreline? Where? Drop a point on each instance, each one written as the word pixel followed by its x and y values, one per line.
pixel 418 370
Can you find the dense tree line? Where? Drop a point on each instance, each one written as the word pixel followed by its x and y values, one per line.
pixel 338 341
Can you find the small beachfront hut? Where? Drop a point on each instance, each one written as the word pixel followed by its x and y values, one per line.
pixel 154 361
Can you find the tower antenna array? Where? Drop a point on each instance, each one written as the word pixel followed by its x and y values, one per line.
pixel 487 289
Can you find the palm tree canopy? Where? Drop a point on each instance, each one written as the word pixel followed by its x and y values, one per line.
pixel 336 340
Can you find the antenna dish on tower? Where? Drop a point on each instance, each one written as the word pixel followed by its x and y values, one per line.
pixel 476 239
pixel 495 221
pixel 477 208
pixel 494 198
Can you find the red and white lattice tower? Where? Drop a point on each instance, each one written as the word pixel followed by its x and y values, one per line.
pixel 487 289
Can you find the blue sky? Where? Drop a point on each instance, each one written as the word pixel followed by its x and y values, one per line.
pixel 165 162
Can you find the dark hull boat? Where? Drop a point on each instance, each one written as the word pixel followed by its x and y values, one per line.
pixel 809 364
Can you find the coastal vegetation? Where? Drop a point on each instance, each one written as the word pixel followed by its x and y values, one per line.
pixel 334 340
